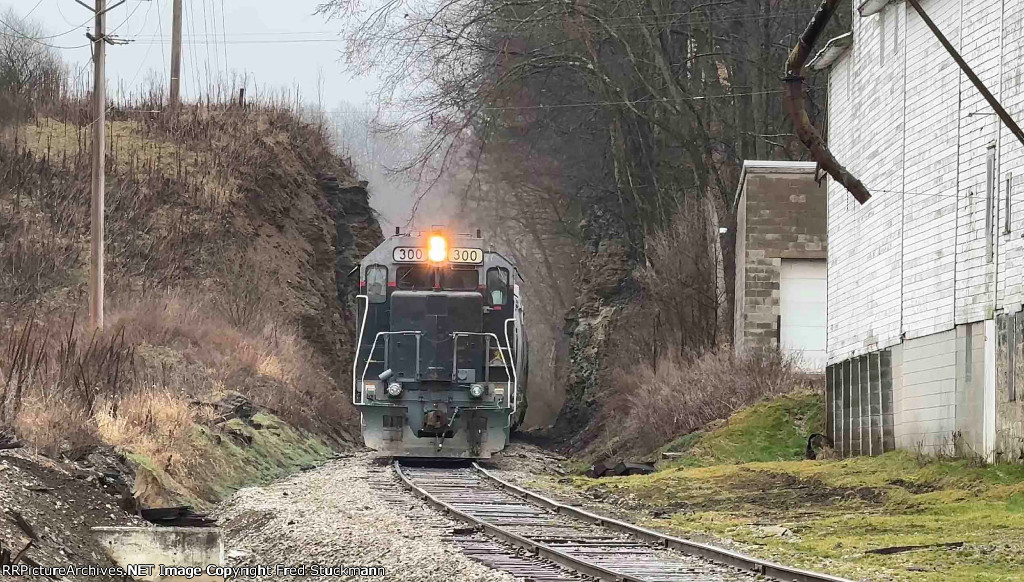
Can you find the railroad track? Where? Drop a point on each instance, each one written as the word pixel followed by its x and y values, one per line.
pixel 560 542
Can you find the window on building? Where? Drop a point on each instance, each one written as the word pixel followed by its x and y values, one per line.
pixel 497 286
pixel 377 283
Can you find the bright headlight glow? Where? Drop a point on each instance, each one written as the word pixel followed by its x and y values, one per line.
pixel 438 251
pixel 476 390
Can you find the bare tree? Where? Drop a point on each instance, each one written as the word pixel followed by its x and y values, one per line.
pixel 31 73
pixel 577 123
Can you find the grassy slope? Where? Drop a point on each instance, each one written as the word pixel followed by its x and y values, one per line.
pixel 228 462
pixel 742 480
pixel 772 431
pixel 223 246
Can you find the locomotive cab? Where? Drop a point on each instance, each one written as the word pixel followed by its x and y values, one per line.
pixel 440 358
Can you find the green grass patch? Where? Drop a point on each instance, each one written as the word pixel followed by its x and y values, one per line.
pixel 776 430
pixel 240 454
pixel 744 482
pixel 232 455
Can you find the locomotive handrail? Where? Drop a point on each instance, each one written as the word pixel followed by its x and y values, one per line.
pixel 455 355
pixel 362 396
pixel 359 344
pixel 514 376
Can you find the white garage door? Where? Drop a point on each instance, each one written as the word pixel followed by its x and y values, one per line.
pixel 803 294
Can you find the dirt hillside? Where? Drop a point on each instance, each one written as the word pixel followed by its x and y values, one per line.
pixel 231 233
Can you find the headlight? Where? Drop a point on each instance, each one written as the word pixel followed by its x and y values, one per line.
pixel 394 390
pixel 476 390
pixel 438 250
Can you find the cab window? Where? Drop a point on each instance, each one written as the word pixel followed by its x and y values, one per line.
pixel 497 286
pixel 415 278
pixel 460 279
pixel 377 283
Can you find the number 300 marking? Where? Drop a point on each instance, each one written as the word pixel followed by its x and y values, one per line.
pixel 466 256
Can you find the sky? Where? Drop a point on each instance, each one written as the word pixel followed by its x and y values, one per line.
pixel 274 44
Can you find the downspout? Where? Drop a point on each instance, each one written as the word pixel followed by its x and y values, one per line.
pixel 794 101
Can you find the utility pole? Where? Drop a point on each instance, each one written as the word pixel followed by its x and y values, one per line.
pixel 176 55
pixel 100 40
pixel 99 140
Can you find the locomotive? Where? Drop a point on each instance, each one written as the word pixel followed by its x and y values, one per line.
pixel 441 364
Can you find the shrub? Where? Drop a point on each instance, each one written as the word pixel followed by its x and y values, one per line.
pixel 138 385
pixel 652 405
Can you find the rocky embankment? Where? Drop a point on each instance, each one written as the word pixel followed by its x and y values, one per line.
pixel 47 508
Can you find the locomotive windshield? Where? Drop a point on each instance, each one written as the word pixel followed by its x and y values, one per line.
pixel 421 278
pixel 459 279
pixel 415 278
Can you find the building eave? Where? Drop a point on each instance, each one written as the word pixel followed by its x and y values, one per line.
pixel 769 167
pixel 869 7
pixel 833 51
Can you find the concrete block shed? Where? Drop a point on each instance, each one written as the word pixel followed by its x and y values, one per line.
pixel 926 280
pixel 781 247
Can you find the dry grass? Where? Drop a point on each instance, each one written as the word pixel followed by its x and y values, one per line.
pixel 220 258
pixel 146 384
pixel 158 424
pixel 270 363
pixel 653 404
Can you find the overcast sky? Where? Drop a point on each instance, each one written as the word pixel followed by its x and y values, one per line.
pixel 277 43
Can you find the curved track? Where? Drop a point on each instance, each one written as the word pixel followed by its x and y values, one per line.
pixel 574 539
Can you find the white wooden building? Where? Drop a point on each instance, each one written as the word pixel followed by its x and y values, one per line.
pixel 926 281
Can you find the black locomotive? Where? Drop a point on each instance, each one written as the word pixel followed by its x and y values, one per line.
pixel 441 360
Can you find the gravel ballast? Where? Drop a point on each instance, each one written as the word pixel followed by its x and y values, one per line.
pixel 351 512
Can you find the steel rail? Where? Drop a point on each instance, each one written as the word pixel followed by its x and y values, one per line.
pixel 537 548
pixel 708 552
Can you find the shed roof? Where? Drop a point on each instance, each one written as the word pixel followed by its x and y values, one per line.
pixel 770 167
pixel 869 7
pixel 834 49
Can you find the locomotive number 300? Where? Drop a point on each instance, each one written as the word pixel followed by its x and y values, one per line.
pixel 410 255
pixel 418 255
pixel 466 256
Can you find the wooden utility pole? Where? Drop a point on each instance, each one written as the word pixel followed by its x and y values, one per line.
pixel 99 140
pixel 176 54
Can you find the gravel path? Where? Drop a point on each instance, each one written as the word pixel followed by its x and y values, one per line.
pixel 350 512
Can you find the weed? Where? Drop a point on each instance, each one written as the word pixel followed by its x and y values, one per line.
pixel 654 405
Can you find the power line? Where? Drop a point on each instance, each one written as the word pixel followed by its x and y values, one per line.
pixel 38 4
pixel 125 21
pixel 206 29
pixel 149 49
pixel 204 38
pixel 224 31
pixel 191 25
pixel 160 28
pixel 50 37
pixel 18 34
pixel 637 102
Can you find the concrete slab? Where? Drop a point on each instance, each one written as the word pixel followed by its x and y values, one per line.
pixel 195 548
